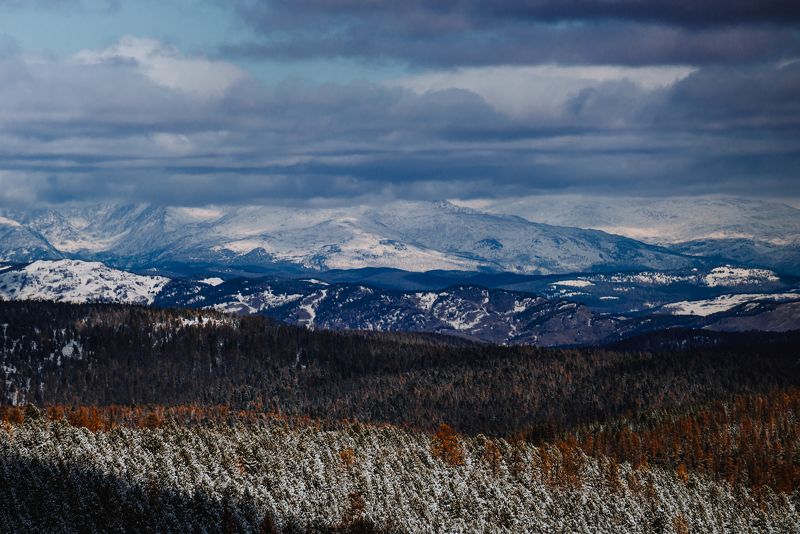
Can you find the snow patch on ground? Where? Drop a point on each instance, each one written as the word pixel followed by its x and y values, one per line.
pixel 89 243
pixel 426 300
pixel 255 302
pixel 459 314
pixel 239 305
pixel 521 306
pixel 309 307
pixel 70 349
pixel 273 300
pixel 213 281
pixel 461 321
pixel 315 281
pixel 647 277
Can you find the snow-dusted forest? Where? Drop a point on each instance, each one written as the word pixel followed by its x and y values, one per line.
pixel 272 477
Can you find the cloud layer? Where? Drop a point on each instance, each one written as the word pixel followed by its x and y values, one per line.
pixel 141 121
pixel 501 98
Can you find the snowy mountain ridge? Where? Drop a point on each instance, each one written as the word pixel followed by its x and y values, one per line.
pixel 749 231
pixel 413 236
pixel 660 221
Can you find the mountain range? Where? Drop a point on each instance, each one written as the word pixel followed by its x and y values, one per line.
pixel 748 231
pixel 489 274
pixel 412 236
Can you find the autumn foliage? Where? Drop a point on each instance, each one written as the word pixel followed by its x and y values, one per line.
pixel 752 440
pixel 447 447
pixel 347 456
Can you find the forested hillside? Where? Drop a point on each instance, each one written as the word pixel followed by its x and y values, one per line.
pixel 106 354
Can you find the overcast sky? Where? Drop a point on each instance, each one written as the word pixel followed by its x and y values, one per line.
pixel 196 102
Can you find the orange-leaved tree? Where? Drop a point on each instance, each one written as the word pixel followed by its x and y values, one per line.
pixel 447 447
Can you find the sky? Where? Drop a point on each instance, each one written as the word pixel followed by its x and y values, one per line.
pixel 326 102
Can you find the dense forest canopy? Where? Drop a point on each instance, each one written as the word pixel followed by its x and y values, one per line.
pixel 108 354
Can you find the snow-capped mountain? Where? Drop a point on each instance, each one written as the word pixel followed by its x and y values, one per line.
pixel 749 231
pixel 574 311
pixel 413 236
pixel 78 282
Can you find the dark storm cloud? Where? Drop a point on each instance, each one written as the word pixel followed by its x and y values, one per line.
pixel 464 33
pixel 609 44
pixel 462 14
pixel 748 98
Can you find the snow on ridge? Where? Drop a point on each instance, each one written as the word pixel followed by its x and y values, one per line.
pixel 733 276
pixel 345 246
pixel 214 281
pixel 197 214
pixel 724 276
pixel 704 308
pixel 255 302
pixel 314 281
pixel 5 221
pixel 78 282
pixel 573 283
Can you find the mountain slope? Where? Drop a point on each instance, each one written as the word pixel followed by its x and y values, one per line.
pixel 21 244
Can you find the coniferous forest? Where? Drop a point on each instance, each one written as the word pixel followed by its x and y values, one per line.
pixel 118 418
